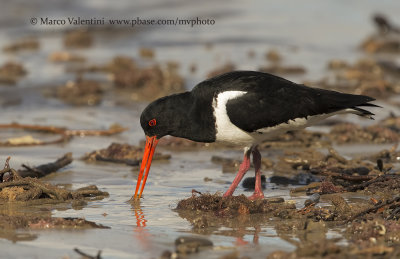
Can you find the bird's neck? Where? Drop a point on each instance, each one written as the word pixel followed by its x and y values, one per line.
pixel 193 119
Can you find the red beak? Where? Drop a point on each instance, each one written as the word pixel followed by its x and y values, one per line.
pixel 151 143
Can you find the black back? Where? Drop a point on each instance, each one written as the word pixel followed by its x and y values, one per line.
pixel 271 100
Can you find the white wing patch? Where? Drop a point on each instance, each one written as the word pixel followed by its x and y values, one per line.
pixel 226 130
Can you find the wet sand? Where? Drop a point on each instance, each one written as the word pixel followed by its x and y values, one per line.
pixel 307 38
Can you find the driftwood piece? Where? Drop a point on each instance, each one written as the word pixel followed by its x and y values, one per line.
pixel 87 256
pixel 361 186
pixel 12 174
pixel 45 169
pixel 16 189
pixel 375 208
pixel 6 168
pixel 8 174
pixel 64 133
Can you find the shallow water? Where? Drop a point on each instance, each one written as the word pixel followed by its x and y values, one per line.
pixel 309 34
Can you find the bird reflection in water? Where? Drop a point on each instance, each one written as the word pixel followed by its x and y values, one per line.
pixel 140 231
pixel 140 218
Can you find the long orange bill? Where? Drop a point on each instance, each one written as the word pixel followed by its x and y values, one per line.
pixel 151 143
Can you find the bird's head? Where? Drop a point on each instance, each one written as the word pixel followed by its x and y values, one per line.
pixel 160 118
pixel 154 119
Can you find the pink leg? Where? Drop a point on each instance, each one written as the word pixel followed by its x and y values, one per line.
pixel 244 167
pixel 258 193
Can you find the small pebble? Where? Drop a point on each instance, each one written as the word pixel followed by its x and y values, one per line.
pixel 249 182
pixel 187 244
pixel 313 199
pixel 166 254
pixel 379 164
pixel 283 180
pixel 207 179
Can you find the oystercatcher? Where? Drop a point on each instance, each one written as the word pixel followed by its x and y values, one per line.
pixel 242 108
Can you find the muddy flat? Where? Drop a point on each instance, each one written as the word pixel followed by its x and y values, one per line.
pixel 71 98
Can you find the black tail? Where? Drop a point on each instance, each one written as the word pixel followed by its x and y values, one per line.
pixel 364 113
pixel 336 101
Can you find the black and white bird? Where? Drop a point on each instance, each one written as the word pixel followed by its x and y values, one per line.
pixel 243 108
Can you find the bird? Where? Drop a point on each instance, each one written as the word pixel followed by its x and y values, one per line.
pixel 243 108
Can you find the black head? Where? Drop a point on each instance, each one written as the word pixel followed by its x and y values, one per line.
pixel 162 117
pixel 165 115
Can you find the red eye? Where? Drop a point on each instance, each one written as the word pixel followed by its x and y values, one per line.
pixel 152 122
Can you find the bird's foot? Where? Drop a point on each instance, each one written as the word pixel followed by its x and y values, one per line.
pixel 256 196
pixel 227 194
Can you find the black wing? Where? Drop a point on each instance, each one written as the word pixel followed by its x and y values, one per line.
pixel 270 101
